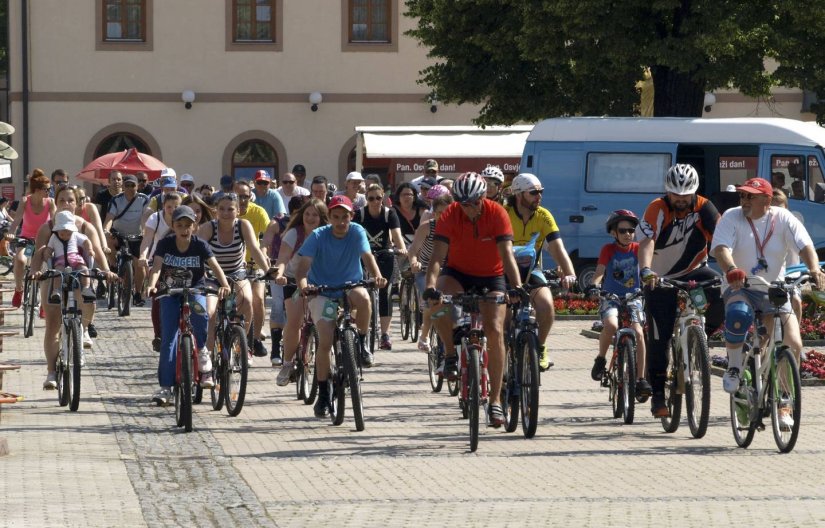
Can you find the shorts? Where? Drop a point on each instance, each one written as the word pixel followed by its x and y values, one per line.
pixel 757 299
pixel 470 282
pixel 323 308
pixel 610 308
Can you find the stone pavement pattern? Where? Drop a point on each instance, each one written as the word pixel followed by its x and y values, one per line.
pixel 119 461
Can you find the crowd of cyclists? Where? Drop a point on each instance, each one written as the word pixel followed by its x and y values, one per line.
pixel 291 235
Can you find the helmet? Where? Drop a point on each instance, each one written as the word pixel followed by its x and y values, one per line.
pixel 621 214
pixel 494 173
pixel 437 190
pixel 682 179
pixel 469 187
pixel 525 182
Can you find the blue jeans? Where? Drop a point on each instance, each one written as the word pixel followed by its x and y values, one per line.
pixel 169 317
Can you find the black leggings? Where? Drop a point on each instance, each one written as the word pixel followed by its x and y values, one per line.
pixel 386 263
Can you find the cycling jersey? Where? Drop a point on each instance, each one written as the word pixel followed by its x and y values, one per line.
pixel 473 244
pixel 541 221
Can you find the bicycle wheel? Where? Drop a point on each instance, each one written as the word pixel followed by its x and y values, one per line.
pixel 627 359
pixel 741 411
pixel 183 389
pixel 124 288
pixel 64 377
pixel 673 394
pixel 614 388
pixel 375 325
pixel 75 335
pixel 415 314
pixel 217 392
pixel 236 370
pixel 528 370
pixel 308 377
pixel 339 393
pixel 353 377
pixel 30 292
pixel 435 355
pixel 404 319
pixel 473 394
pixel 697 389
pixel 786 396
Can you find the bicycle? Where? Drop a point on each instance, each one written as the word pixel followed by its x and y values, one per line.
pixel 120 294
pixel 375 319
pixel 31 288
pixel 304 362
pixel 770 382
pixel 688 370
pixel 474 378
pixel 70 356
pixel 410 316
pixel 620 376
pixel 346 367
pixel 230 357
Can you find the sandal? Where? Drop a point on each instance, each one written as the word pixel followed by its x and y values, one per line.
pixel 496 415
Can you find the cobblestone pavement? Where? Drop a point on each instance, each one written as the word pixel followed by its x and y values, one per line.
pixel 119 461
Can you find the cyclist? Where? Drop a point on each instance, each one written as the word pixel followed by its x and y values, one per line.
pixel 333 255
pixel 479 237
pixel 203 212
pixel 352 190
pixel 676 229
pixel 270 199
pixel 619 267
pixel 183 250
pixel 495 179
pixel 527 218
pixel 124 214
pixel 409 209
pixel 311 215
pixel 755 239
pixel 69 248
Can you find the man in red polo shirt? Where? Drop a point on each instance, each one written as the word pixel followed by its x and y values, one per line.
pixel 479 237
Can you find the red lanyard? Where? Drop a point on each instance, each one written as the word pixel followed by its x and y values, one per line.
pixel 760 247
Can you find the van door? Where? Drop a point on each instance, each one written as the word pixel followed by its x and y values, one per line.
pixel 561 171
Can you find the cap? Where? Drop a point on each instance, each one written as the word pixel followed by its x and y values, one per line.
pixel 426 183
pixel 340 201
pixel 431 164
pixel 226 180
pixel 130 178
pixel 756 186
pixel 372 177
pixel 298 168
pixel 183 211
pixel 262 175
pixel 168 182
pixel 187 177
pixel 64 220
pixel 168 171
pixel 730 188
pixel 355 175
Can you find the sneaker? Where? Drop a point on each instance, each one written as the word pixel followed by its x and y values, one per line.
pixel 204 360
pixel 92 329
pixel 88 295
pixel 386 344
pixel 51 381
pixel 658 407
pixel 439 370
pixel 544 359
pixel 643 390
pixel 451 367
pixel 206 380
pixel 424 345
pixel 137 300
pixel 17 299
pixel 496 413
pixel 82 357
pixel 258 348
pixel 55 298
pixel 155 343
pixel 730 381
pixel 275 358
pixel 785 417
pixel 87 340
pixel 367 359
pixel 285 375
pixel 162 396
pixel 598 368
pixel 323 407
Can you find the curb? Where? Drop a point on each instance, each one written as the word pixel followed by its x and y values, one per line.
pixel 567 317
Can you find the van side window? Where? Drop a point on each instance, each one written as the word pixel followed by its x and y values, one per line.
pixel 612 172
pixel 816 183
pixel 788 174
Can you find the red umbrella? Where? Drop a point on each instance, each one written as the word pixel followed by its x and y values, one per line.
pixel 129 161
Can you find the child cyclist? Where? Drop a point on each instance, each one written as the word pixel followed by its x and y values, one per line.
pixel 618 272
pixel 68 247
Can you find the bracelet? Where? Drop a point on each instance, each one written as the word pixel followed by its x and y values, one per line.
pixel 732 267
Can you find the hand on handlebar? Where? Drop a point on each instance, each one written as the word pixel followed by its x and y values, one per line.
pixel 380 282
pixel 224 291
pixel 568 281
pixel 432 295
pixel 736 278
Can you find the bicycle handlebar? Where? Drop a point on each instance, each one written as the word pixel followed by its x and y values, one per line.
pixel 92 274
pixel 629 296
pixel 690 285
pixel 367 283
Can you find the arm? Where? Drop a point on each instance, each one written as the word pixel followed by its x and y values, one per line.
pixel 439 252
pixel 40 242
pixel 18 217
pixel 372 267
pixel 284 254
pixel 148 236
pixel 97 251
pixel 254 249
pixel 157 264
pixel 598 276
pixel 559 254
pixel 224 289
pixel 107 222
pixel 809 257
pixel 415 247
pixel 646 252
pixel 398 240
pixel 505 251
pixel 94 219
pixel 301 271
pixel 273 229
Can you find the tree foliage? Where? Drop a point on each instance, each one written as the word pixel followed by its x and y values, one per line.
pixel 525 60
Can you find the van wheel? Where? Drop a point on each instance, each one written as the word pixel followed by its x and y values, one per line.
pixel 585 272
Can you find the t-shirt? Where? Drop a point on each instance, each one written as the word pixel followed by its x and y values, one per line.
pixel 256 215
pixel 102 199
pixel 473 245
pixel 378 228
pixel 157 222
pixel 292 239
pixel 359 202
pixel 408 227
pixel 541 221
pixel 335 261
pixel 298 191
pixel 272 202
pixel 194 258
pixel 789 236
pixel 129 222
pixel 680 240
pixel 621 274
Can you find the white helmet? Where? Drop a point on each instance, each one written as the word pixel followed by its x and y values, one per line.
pixel 681 179
pixel 494 173
pixel 469 187
pixel 525 182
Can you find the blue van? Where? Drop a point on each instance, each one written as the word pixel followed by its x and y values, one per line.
pixel 591 166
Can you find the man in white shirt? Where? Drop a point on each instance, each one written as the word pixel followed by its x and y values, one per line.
pixel 290 188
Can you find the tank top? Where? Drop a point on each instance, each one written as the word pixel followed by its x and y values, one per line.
pixel 84 215
pixel 32 221
pixel 230 257
pixel 427 247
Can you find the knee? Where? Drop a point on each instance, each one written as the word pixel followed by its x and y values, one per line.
pixel 738 319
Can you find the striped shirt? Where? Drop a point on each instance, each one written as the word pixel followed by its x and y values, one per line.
pixel 230 256
pixel 426 250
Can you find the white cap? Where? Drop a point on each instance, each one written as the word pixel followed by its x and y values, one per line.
pixel 355 175
pixel 187 177
pixel 730 188
pixel 525 182
pixel 64 220
pixel 168 171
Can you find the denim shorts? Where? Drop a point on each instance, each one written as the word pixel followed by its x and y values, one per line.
pixel 758 300
pixel 610 307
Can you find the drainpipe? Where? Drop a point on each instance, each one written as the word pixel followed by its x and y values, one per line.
pixel 24 72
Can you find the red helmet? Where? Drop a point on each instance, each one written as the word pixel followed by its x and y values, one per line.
pixel 621 214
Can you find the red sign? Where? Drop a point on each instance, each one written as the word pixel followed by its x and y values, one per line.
pixel 445 165
pixel 7 191
pixel 738 163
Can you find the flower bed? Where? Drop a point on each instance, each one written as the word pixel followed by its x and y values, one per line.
pixel 575 304
pixel 813 365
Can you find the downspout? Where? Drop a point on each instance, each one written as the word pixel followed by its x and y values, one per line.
pixel 24 72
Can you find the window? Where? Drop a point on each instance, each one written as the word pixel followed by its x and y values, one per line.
pixel 816 182
pixel 626 173
pixel 120 142
pixel 124 25
pixel 252 156
pixel 254 25
pixel 370 25
pixel 788 175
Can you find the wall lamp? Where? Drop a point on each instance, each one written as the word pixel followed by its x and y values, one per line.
pixel 315 98
pixel 188 97
pixel 433 103
pixel 709 101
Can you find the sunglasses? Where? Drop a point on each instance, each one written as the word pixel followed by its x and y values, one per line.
pixel 375 198
pixel 288 182
pixel 243 197
pixel 747 196
pixel 626 230
pixel 130 184
pixel 535 192
pixel 142 181
pixel 262 183
pixel 187 184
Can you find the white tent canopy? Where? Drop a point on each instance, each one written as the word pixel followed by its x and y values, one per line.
pixel 443 142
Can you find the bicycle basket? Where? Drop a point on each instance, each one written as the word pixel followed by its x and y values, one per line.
pixel 777 296
pixel 526 256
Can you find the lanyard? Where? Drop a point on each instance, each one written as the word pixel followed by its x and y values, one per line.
pixel 760 247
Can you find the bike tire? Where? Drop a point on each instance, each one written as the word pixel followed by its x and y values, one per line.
pixel 415 314
pixel 75 344
pixel 237 370
pixel 673 395
pixel 510 399
pixel 528 371
pixel 353 378
pixel 697 388
pixel 785 385
pixel 124 288
pixel 614 388
pixel 308 376
pixel 30 292
pixel 375 324
pixel 404 319
pixel 339 393
pixel 744 429
pixel 217 392
pixel 473 394
pixel 627 358
pixel 111 296
pixel 183 389
pixel 434 356
pixel 62 372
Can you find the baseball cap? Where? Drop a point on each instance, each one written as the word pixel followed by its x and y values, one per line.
pixel 355 175
pixel 187 177
pixel 183 211
pixel 130 178
pixel 168 171
pixel 299 169
pixel 431 164
pixel 168 182
pixel 340 201
pixel 226 180
pixel 262 175
pixel 64 220
pixel 756 186
pixel 427 183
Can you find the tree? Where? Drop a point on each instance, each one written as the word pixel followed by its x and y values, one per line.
pixel 526 60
